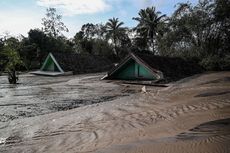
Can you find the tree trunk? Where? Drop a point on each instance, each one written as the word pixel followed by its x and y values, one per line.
pixel 115 47
pixel 153 45
pixel 12 77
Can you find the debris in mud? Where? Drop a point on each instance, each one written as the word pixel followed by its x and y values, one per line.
pixel 6 118
pixel 145 83
pixel 10 140
pixel 18 105
pixel 31 110
pixel 143 89
pixel 13 139
pixel 25 114
pixel 71 104
pixel 2 140
pixel 130 91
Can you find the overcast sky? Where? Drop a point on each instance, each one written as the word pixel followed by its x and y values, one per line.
pixel 19 16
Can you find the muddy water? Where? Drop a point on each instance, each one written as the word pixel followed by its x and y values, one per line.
pixel 191 115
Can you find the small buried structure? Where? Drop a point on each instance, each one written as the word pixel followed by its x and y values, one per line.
pixel 146 66
pixel 68 63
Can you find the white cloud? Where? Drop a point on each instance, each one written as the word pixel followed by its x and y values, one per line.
pixel 147 3
pixel 74 7
pixel 19 22
pixel 16 22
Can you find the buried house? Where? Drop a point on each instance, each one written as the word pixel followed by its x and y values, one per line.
pixel 146 66
pixel 66 63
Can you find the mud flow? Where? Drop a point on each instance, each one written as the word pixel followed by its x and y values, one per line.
pixel 82 114
pixel 37 95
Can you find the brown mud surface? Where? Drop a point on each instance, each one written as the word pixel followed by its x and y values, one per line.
pixel 83 114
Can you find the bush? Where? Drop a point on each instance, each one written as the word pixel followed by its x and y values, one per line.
pixel 216 63
pixel 225 63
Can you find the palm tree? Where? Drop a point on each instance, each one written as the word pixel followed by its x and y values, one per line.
pixel 149 21
pixel 114 31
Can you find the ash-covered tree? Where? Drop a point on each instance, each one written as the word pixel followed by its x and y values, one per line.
pixel 84 38
pixel 52 23
pixel 12 62
pixel 148 27
pixel 117 34
pixel 40 44
pixel 28 53
pixel 37 45
pixel 200 32
pixel 91 39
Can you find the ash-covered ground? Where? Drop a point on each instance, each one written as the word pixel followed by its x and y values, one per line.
pixel 82 114
pixel 39 95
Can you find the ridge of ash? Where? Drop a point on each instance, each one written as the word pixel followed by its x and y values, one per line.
pixel 208 129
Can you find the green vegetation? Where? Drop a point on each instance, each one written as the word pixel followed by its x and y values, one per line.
pixel 53 26
pixel 194 32
pixel 115 33
pixel 12 61
pixel 149 27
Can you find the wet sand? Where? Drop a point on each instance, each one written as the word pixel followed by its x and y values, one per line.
pixel 189 116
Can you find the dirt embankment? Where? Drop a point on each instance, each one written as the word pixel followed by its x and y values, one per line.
pixel 191 115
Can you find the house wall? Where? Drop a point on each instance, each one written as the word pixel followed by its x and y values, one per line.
pixel 127 71
pixel 133 71
pixel 142 72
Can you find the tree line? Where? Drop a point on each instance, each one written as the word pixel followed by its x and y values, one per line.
pixel 199 32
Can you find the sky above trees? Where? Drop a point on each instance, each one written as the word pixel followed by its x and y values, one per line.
pixel 18 17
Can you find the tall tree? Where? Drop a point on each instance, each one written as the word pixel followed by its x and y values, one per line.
pixel 222 20
pixel 91 39
pixel 52 23
pixel 38 39
pixel 114 32
pixel 28 53
pixel 147 27
pixel 200 32
pixel 40 44
pixel 84 39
